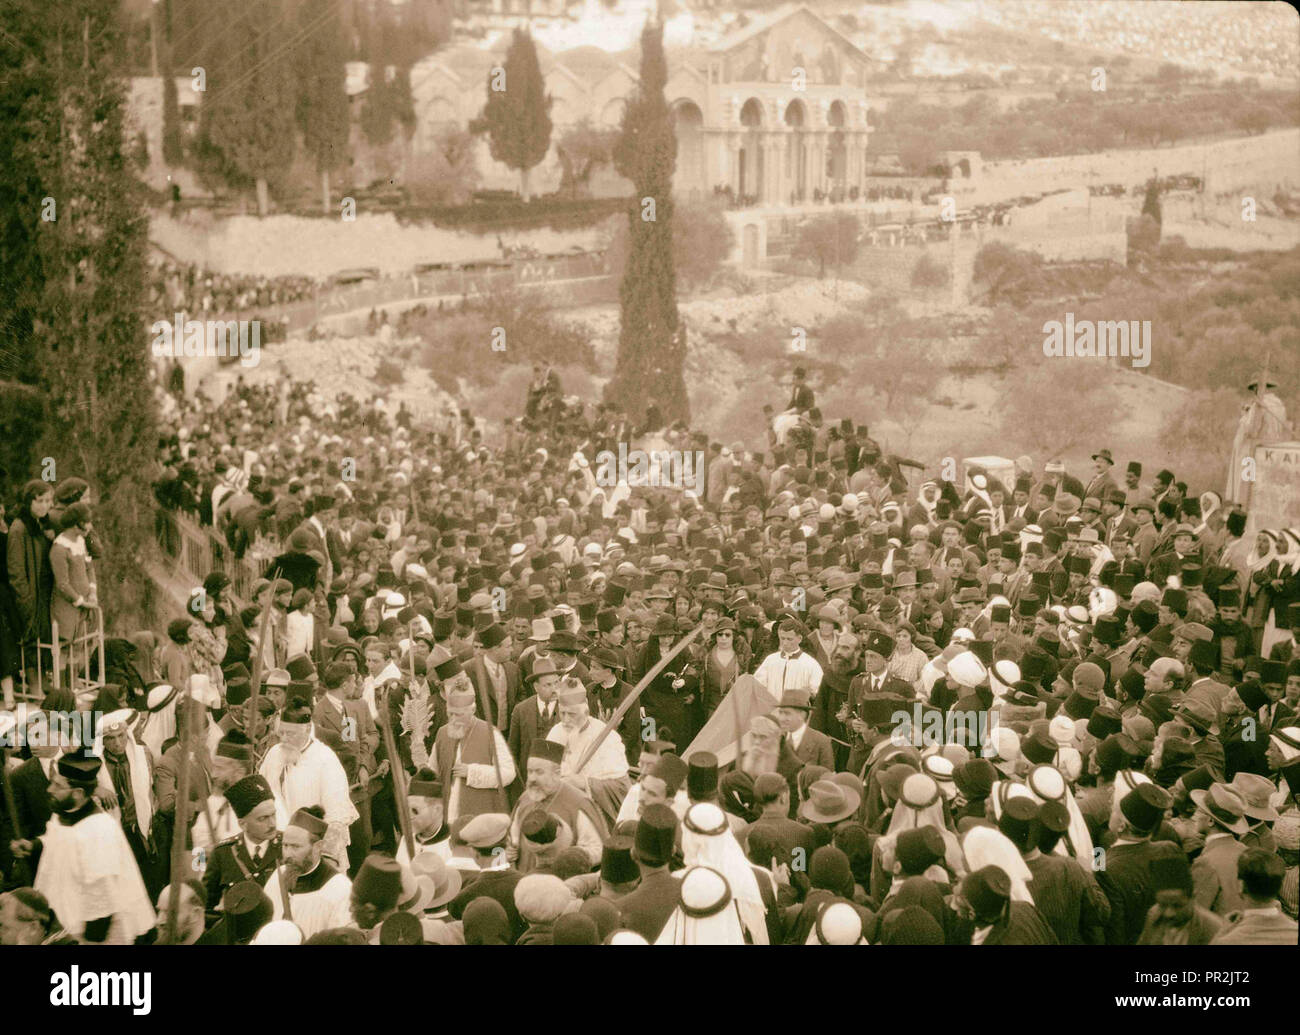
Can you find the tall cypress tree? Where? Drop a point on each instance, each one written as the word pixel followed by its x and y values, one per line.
pixel 246 117
pixel 322 107
pixel 73 297
pixel 651 340
pixel 517 118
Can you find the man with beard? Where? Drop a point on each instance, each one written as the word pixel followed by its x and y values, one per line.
pixel 471 758
pixel 230 763
pixel 547 790
pixel 303 771
pixel 833 696
pixel 85 868
pixel 604 777
pixel 318 894
pixel 1176 918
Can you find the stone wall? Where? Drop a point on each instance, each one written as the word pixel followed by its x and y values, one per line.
pixel 1268 159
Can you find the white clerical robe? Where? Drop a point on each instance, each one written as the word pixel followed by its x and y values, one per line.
pixel 441 847
pixel 223 818
pixel 630 810
pixel 317 778
pixel 87 872
pixel 319 909
pixel 608 763
pixel 779 673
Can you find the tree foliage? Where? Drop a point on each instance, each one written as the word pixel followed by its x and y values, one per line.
pixel 517 119
pixel 246 120
pixel 829 240
pixel 321 108
pixel 76 347
pixel 651 342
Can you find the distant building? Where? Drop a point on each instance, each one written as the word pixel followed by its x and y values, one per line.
pixel 776 110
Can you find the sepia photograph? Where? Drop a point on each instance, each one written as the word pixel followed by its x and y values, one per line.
pixel 650 472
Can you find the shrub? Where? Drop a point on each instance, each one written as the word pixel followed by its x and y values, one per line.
pixel 929 273
pixel 389 372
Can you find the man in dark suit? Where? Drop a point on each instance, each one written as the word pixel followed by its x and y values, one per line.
pixel 873 697
pixel 495 676
pixel 534 716
pixel 810 746
pixel 1126 878
pixel 801 396
pixel 1101 483
pixel 647 909
pixel 607 690
pixel 253 853
pixel 343 723
pixel 833 696
pixel 30 783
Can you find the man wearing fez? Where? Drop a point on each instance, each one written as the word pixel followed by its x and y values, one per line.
pixel 318 894
pixel 302 771
pixel 231 761
pixel 874 695
pixel 254 852
pixel 470 756
pixel 84 865
pixel 494 676
pixel 604 778
pixel 647 909
pixel 429 828
pixel 547 790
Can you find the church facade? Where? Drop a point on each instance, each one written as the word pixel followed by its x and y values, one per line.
pixel 775 112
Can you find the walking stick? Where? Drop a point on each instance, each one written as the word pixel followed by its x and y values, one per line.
pixel 396 769
pixel 627 702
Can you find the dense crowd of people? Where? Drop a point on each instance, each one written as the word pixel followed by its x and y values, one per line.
pixel 177 287
pixel 1057 708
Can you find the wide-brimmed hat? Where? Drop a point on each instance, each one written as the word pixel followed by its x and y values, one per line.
pixel 829 802
pixel 1224 806
pixel 1255 791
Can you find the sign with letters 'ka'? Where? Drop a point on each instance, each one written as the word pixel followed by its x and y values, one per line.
pixel 1275 496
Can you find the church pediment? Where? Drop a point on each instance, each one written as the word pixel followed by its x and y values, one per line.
pixel 770 49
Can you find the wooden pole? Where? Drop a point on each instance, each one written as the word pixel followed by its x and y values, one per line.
pixel 253 717
pixel 395 768
pixel 181 827
pixel 631 698
pixel 283 879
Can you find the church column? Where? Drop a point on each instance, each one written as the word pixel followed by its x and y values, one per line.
pixel 781 184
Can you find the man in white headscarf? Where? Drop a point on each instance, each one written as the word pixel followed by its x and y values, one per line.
pixel 707 840
pixel 838 923
pixel 984 846
pixel 706 915
pixel 919 805
pixel 1047 784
